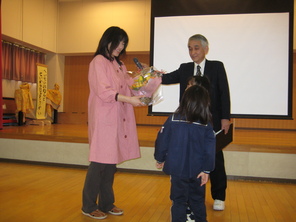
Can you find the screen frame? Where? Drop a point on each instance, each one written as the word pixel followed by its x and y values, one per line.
pixel 165 8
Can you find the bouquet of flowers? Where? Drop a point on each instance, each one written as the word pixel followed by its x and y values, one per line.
pixel 147 83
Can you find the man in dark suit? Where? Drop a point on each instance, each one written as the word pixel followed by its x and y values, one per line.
pixel 220 103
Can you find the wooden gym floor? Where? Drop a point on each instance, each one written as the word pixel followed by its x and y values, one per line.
pixel 46 193
pixel 32 193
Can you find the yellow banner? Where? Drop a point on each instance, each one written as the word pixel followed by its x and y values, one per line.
pixel 41 91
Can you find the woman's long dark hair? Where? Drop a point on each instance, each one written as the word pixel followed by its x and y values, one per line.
pixel 195 105
pixel 113 35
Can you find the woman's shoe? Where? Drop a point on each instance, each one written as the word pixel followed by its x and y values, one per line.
pixel 116 211
pixel 96 214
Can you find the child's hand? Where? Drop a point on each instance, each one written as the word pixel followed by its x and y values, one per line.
pixel 159 165
pixel 204 178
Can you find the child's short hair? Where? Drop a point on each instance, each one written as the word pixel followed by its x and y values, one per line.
pixel 199 80
pixel 195 105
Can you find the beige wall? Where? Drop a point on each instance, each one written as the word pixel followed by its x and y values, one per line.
pixel 75 26
pixel 32 22
pixel 82 23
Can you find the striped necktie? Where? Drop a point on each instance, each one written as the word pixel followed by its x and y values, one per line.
pixel 198 72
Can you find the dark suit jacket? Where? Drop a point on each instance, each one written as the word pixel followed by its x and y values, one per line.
pixel 186 148
pixel 219 92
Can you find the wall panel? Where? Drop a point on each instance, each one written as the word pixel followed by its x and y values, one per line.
pixel 31 23
pixel 76 83
pixel 12 14
pixel 81 23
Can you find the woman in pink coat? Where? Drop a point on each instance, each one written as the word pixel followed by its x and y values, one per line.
pixel 111 123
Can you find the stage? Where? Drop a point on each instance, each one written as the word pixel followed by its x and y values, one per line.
pixel 253 153
pixel 269 141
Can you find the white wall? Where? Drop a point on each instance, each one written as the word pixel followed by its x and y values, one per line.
pixel 55 66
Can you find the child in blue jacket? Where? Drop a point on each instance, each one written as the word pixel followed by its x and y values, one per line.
pixel 185 149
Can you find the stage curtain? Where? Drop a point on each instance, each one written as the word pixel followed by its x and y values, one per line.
pixel 19 63
pixel 1 99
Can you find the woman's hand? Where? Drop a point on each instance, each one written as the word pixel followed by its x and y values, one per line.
pixel 144 65
pixel 133 100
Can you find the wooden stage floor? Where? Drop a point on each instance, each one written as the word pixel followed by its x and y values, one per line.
pixel 282 141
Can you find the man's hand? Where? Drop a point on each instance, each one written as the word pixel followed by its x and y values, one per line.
pixel 225 123
pixel 159 165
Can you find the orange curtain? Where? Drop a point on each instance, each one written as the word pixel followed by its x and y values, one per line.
pixel 19 63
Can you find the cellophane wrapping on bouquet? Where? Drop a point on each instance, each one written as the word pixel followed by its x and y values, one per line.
pixel 147 83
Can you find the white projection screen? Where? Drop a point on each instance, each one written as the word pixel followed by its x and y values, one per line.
pixel 255 50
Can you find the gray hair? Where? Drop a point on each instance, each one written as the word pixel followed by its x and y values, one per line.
pixel 201 38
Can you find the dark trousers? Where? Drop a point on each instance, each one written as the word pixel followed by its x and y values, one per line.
pixel 98 188
pixel 184 192
pixel 218 178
